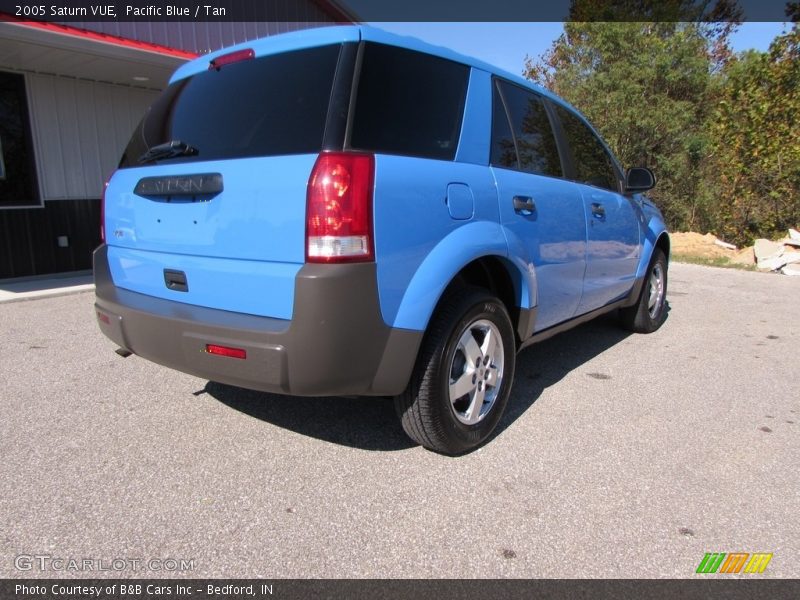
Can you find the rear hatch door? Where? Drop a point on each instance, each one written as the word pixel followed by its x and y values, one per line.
pixel 213 183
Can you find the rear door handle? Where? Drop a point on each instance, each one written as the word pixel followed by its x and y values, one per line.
pixel 598 211
pixel 524 205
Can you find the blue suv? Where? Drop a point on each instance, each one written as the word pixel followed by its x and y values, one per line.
pixel 342 211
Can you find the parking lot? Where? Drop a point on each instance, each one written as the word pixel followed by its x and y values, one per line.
pixel 620 456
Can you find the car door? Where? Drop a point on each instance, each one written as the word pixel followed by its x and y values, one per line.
pixel 612 219
pixel 543 211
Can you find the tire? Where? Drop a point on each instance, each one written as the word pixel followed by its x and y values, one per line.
pixel 650 310
pixel 465 325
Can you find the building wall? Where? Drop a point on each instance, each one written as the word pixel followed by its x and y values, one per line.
pixel 203 37
pixel 80 129
pixel 29 238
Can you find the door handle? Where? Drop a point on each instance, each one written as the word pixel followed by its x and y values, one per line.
pixel 524 205
pixel 176 280
pixel 598 211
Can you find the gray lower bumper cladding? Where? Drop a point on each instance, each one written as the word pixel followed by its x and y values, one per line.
pixel 335 344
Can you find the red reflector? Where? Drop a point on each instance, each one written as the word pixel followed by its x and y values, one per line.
pixel 226 351
pixel 233 57
pixel 103 318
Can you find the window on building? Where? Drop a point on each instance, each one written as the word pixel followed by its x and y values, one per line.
pixel 17 167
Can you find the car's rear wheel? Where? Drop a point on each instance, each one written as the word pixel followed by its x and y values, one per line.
pixel 650 310
pixel 463 376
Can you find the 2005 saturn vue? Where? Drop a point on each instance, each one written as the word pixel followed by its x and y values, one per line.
pixel 341 211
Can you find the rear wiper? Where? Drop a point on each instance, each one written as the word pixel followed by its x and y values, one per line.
pixel 168 150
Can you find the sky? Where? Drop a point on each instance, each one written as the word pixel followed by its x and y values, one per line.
pixel 505 45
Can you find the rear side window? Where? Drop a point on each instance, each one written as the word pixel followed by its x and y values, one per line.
pixel 536 150
pixel 504 152
pixel 266 106
pixel 408 103
pixel 593 165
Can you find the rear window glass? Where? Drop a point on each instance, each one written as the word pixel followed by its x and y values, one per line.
pixel 408 103
pixel 260 107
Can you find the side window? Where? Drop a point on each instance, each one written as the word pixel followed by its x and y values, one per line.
pixel 504 153
pixel 408 103
pixel 536 150
pixel 593 165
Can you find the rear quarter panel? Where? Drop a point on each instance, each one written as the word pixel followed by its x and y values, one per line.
pixel 419 247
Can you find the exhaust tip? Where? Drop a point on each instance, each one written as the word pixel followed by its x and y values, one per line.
pixel 123 353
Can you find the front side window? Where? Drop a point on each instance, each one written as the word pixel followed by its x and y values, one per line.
pixel 593 165
pixel 536 150
pixel 408 103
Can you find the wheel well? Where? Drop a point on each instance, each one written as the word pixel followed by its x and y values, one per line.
pixel 490 273
pixel 663 244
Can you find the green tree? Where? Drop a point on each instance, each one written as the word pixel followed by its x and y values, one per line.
pixel 755 143
pixel 646 87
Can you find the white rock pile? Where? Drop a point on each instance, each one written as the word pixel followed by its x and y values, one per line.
pixel 783 255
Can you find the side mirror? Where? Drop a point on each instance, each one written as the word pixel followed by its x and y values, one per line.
pixel 639 179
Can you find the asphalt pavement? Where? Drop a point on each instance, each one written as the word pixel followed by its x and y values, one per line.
pixel 621 456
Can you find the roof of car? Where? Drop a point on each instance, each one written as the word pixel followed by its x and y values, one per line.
pixel 309 38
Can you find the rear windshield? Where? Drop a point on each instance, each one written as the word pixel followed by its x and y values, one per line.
pixel 266 106
pixel 408 103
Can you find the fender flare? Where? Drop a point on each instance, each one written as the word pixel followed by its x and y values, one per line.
pixel 656 229
pixel 459 248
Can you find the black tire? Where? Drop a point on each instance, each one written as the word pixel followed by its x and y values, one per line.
pixel 642 317
pixel 466 317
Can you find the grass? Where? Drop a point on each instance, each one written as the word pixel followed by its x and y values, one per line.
pixel 719 261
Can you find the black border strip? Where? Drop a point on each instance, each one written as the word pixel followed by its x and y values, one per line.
pixel 408 10
pixel 701 588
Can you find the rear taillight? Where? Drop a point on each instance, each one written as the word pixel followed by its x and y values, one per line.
pixel 339 209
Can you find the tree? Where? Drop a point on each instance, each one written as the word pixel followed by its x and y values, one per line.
pixel 755 145
pixel 646 87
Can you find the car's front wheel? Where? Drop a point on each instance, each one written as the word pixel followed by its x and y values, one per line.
pixel 650 310
pixel 463 376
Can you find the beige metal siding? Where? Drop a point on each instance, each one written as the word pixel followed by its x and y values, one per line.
pixel 80 129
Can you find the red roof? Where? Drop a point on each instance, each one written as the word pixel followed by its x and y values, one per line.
pixel 98 37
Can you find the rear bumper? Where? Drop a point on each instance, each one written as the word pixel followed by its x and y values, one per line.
pixel 335 344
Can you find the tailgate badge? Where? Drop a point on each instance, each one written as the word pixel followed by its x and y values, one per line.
pixel 202 184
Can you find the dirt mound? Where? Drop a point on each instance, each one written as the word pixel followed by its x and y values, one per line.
pixel 745 256
pixel 703 246
pixel 767 255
